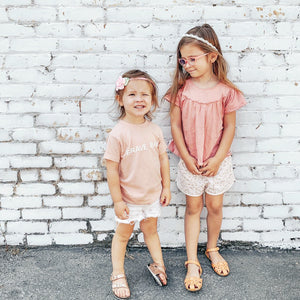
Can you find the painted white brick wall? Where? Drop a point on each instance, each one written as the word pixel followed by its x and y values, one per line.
pixel 58 63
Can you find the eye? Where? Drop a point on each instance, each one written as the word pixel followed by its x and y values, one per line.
pixel 131 94
pixel 146 95
pixel 192 59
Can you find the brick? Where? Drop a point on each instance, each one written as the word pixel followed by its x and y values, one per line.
pixel 99 200
pixel 72 239
pixel 76 162
pixel 282 186
pixel 82 76
pixel 33 45
pixel 94 147
pixel 15 121
pixel 4 136
pixel 67 226
pixel 79 134
pixel 29 175
pixel 58 30
pixel 70 174
pixel 262 224
pixel 28 189
pixel 241 212
pixel 9 214
pixel 291 198
pixel 277 211
pixel 49 175
pixel 39 240
pixel 41 213
pixel 32 14
pixel 8 176
pixel 66 106
pixel 31 162
pixel 17 148
pixel 37 134
pixel 81 13
pixel 59 148
pixel 82 213
pixel 84 188
pixel 57 120
pixel 241 236
pixel 8 30
pixel 138 14
pixel 262 199
pixel 21 202
pixel 27 227
pixel 31 76
pixel 15 239
pixel 103 225
pixel 16 61
pixel 91 175
pixel 62 201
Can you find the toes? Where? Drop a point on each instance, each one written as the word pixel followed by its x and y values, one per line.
pixel 163 279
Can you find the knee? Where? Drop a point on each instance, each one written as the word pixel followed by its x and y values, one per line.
pixel 194 208
pixel 123 235
pixel 214 208
pixel 148 227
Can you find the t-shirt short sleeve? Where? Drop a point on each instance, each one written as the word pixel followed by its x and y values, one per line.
pixel 162 146
pixel 113 149
pixel 234 101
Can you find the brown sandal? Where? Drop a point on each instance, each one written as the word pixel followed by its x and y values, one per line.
pixel 220 267
pixel 117 286
pixel 196 281
pixel 156 270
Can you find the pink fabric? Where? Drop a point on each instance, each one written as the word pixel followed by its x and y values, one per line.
pixel 202 113
pixel 137 149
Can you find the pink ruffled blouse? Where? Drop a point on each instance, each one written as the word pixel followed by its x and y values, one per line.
pixel 202 113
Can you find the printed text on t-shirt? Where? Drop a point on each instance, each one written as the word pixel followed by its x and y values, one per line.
pixel 138 148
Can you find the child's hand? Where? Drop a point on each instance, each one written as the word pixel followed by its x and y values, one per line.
pixel 192 165
pixel 210 167
pixel 121 210
pixel 165 197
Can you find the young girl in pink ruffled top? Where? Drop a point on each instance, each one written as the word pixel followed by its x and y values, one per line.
pixel 138 175
pixel 203 113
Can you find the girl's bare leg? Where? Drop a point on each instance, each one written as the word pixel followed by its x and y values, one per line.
pixel 194 206
pixel 214 205
pixel 118 249
pixel 149 229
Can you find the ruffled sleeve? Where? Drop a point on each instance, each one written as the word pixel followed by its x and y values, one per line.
pixel 234 101
pixel 178 98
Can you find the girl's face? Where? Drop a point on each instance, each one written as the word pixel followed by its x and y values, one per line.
pixel 197 62
pixel 136 100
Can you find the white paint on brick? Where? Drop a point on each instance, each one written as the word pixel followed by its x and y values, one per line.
pixel 59 61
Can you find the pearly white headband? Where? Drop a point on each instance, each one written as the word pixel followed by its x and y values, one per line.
pixel 201 40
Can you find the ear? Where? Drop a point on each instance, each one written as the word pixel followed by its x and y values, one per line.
pixel 213 57
pixel 119 99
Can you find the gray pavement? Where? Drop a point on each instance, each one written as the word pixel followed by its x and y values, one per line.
pixel 83 273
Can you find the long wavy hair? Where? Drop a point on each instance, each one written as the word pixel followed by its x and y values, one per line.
pixel 220 66
pixel 135 74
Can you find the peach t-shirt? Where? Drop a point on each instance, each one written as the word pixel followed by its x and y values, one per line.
pixel 202 113
pixel 137 149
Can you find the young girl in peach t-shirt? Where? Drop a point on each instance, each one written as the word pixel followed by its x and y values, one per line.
pixel 138 175
pixel 203 105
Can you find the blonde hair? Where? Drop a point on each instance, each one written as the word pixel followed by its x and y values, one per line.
pixel 220 66
pixel 119 93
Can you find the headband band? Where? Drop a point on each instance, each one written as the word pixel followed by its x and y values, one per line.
pixel 201 40
pixel 123 81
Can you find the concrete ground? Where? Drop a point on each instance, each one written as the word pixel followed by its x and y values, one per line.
pixel 83 273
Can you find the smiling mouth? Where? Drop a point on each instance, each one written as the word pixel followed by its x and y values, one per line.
pixel 139 106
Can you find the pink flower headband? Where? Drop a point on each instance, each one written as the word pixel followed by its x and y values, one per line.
pixel 123 81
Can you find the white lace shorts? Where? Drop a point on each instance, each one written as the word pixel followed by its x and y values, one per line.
pixel 195 185
pixel 139 212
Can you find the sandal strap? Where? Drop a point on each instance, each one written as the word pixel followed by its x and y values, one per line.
pixel 118 286
pixel 116 277
pixel 158 269
pixel 212 249
pixel 192 262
